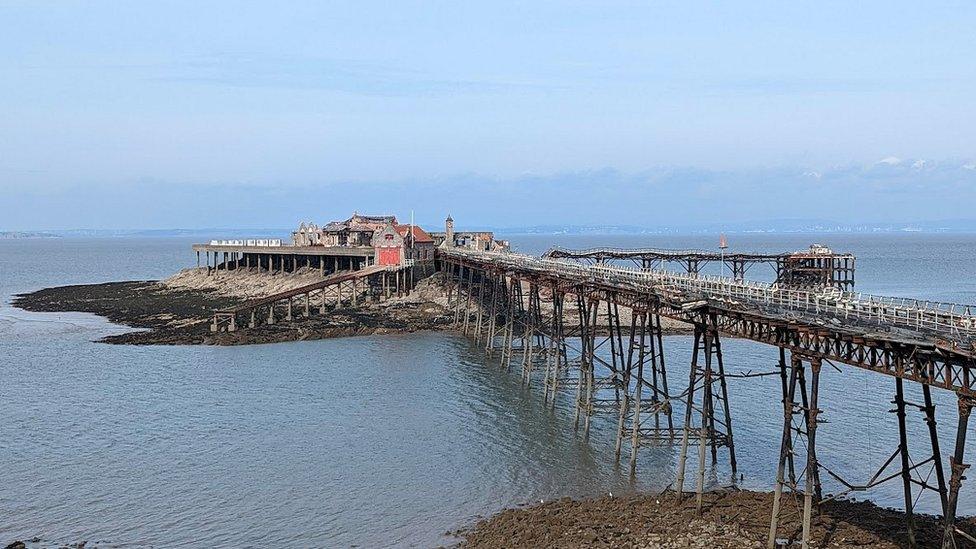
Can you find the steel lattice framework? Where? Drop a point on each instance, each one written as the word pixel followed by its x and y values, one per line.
pixel 818 266
pixel 524 304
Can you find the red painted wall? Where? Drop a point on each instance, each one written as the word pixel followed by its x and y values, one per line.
pixel 388 256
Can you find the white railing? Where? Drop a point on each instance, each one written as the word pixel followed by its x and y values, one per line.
pixel 665 252
pixel 951 321
pixel 628 251
pixel 264 242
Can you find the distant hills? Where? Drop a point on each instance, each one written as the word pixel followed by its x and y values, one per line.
pixel 784 226
pixel 149 233
pixel 773 227
pixel 11 235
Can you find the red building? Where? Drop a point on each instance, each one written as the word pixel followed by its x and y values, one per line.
pixel 388 243
pixel 418 245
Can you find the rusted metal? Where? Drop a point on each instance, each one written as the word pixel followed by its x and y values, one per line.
pixel 816 266
pixel 612 366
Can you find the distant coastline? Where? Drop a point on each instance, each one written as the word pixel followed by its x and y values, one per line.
pixel 12 235
pixel 756 228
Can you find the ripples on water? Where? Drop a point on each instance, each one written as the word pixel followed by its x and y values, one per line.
pixel 375 441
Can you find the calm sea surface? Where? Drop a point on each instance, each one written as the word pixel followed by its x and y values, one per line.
pixel 372 441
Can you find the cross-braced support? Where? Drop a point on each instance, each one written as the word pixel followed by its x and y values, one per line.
pixel 565 356
pixel 556 355
pixel 533 334
pixel 646 415
pixel 602 387
pixel 806 428
pixel 801 413
pixel 515 321
pixel 506 296
pixel 714 428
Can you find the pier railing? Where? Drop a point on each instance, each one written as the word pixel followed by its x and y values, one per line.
pixel 668 254
pixel 559 251
pixel 946 320
pixel 925 342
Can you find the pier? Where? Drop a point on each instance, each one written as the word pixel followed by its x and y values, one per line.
pixel 222 257
pixel 588 324
pixel 817 266
pixel 558 319
pixel 341 288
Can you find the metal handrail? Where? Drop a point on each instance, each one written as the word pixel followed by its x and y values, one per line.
pixel 950 320
pixel 606 250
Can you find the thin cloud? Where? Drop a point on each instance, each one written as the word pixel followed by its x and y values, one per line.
pixel 320 73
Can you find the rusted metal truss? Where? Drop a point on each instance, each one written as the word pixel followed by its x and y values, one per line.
pixel 564 319
pixel 798 269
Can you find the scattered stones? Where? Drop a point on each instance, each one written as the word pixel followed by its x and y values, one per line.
pixel 730 520
pixel 178 311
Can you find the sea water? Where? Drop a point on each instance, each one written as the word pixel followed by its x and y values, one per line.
pixel 374 441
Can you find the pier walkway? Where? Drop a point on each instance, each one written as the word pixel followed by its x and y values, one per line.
pixel 338 288
pixel 817 266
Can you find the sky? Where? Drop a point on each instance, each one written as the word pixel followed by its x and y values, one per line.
pixel 121 115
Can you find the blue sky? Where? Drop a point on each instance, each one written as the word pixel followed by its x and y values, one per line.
pixel 235 114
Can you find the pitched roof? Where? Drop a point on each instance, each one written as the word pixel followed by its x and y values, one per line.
pixel 419 235
pixel 334 226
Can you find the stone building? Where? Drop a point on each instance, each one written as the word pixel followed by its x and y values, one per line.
pixel 418 245
pixel 388 243
pixel 474 240
pixel 356 231
pixel 392 243
pixel 308 234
